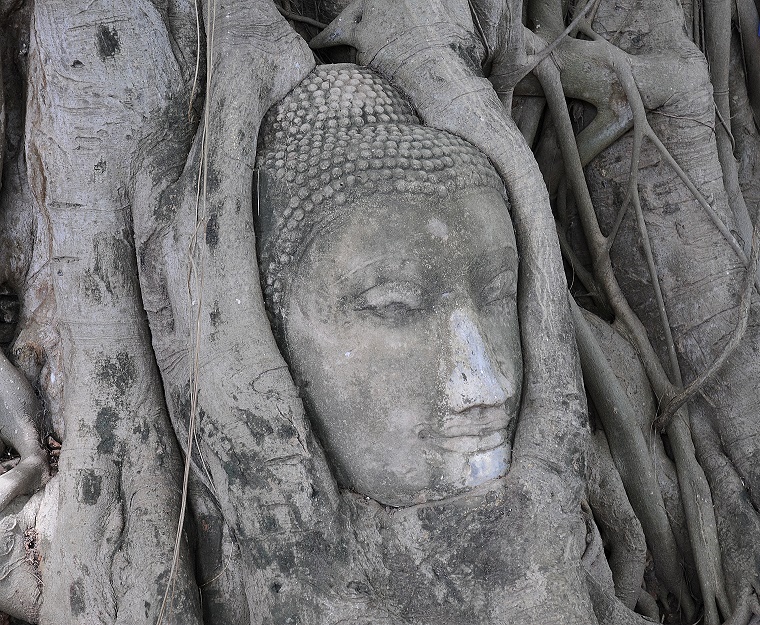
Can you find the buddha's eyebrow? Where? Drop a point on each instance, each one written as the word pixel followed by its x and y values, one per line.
pixel 399 263
pixel 495 259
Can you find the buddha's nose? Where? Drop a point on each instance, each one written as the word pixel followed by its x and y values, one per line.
pixel 475 379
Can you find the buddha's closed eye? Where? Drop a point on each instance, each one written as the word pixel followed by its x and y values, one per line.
pixel 394 300
pixel 502 287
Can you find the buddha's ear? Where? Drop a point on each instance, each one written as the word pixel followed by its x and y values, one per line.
pixel 342 30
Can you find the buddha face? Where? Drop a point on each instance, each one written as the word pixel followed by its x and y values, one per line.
pixel 401 329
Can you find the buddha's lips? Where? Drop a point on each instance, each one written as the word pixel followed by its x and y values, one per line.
pixel 476 439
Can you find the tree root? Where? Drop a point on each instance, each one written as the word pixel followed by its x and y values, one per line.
pixel 196 273
pixel 18 412
pixel 609 610
pixel 295 17
pixel 647 605
pixel 696 494
pixel 618 522
pixel 717 32
pixel 747 17
pixel 632 459
pixel 748 607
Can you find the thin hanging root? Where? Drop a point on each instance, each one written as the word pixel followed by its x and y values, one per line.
pixel 625 77
pixel 633 193
pixel 196 74
pixel 295 17
pixel 696 494
pixel 591 5
pixel 618 222
pixel 727 128
pixel 201 194
pixel 583 275
pixel 548 75
pixel 697 498
pixel 714 217
pixel 700 521
pixel 598 243
pixel 697 384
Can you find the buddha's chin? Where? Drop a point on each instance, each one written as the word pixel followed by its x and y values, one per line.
pixel 488 465
pixel 463 473
pixel 475 463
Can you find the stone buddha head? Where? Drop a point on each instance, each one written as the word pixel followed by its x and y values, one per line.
pixel 389 266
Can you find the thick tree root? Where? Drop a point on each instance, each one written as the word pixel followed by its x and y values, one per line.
pixel 632 459
pixel 19 412
pixel 610 611
pixel 617 520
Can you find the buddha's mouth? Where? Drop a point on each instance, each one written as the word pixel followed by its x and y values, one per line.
pixel 466 443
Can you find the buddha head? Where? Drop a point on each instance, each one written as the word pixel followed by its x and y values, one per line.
pixel 389 267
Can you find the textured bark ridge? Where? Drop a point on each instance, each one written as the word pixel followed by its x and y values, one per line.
pixel 158 461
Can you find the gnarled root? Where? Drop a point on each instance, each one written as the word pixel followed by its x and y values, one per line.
pixel 18 409
pixel 618 522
